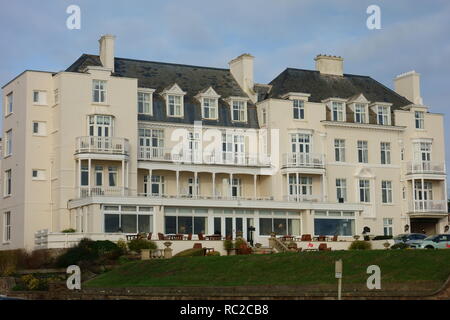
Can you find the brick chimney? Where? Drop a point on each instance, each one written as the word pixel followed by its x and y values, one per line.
pixel 107 51
pixel 242 70
pixel 329 64
pixel 408 85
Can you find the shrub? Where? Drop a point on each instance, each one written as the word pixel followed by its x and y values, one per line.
pixel 9 261
pixel 70 230
pixel 228 244
pixel 400 245
pixel 213 253
pixel 139 244
pixel 360 245
pixel 108 249
pixel 39 259
pixel 30 282
pixel 76 255
pixel 122 244
pixel 191 253
pixel 382 238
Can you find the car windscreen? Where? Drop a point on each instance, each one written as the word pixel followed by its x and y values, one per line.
pixel 430 238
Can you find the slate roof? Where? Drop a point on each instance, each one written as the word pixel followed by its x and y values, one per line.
pixel 191 79
pixel 322 86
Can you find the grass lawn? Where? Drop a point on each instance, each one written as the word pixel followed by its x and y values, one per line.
pixel 308 268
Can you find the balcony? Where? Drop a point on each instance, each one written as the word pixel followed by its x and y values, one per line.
pixel 304 160
pixel 425 167
pixel 204 197
pixel 428 206
pixel 221 158
pixel 303 198
pixel 102 145
pixel 84 192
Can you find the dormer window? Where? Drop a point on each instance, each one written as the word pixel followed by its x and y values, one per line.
pixel 239 111
pixel 360 113
pixel 209 108
pixel 209 101
pixel 174 101
pixel 338 111
pixel 145 101
pixel 174 105
pixel 383 115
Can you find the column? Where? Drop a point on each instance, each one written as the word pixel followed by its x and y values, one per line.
pixel 413 194
pixel 177 174
pixel 287 186
pixel 78 175
pixel 214 185
pixel 149 183
pixel 195 184
pixel 423 194
pixel 230 186
pixel 297 187
pixel 254 185
pixel 89 176
pixel 123 177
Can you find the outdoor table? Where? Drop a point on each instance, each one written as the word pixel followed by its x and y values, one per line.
pixel 213 237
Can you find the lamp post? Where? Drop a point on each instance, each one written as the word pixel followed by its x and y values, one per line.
pixel 338 275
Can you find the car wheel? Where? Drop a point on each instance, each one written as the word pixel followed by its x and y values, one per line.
pixel 429 247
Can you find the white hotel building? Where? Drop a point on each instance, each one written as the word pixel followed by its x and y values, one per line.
pixel 115 146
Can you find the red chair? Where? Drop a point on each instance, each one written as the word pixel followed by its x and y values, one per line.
pixel 161 236
pixel 197 246
pixel 149 237
pixel 335 238
pixel 306 237
pixel 201 236
pixel 324 247
pixel 189 237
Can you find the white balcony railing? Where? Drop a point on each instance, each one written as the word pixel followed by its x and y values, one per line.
pixel 303 160
pixel 110 145
pixel 102 191
pixel 204 197
pixel 189 156
pixel 425 167
pixel 428 206
pixel 303 198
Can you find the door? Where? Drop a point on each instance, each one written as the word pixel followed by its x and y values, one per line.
pixel 300 147
pixel 193 153
pixel 233 148
pixel 423 195
pixel 229 227
pixel 100 129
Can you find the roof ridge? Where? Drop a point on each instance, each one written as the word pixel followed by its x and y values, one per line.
pixel 160 62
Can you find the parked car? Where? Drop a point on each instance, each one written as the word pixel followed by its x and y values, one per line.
pixel 438 241
pixel 409 238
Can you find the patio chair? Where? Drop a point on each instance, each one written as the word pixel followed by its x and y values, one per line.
pixel 324 247
pixel 201 236
pixel 161 236
pixel 197 246
pixel 306 237
pixel 189 237
pixel 149 236
pixel 335 238
pixel 322 238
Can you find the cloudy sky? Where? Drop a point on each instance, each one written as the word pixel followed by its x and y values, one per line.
pixel 279 33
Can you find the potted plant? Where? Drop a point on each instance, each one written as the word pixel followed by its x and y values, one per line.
pixel 356 237
pixel 229 247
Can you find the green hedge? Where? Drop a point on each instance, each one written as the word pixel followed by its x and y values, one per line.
pixel 360 245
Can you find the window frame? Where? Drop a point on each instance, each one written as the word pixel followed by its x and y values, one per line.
pixel 7 227
pixel 299 106
pixel 336 113
pixel 362 114
pixel 102 91
pixel 42 98
pixel 382 116
pixel 339 150
pixel 341 189
pixel 7 184
pixel 385 149
pixel 176 104
pixel 240 107
pixel 9 104
pixel 388 226
pixel 42 128
pixel 363 151
pixel 143 93
pixel 215 108
pixel 386 192
pixel 8 146
pixel 419 122
pixel 364 190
